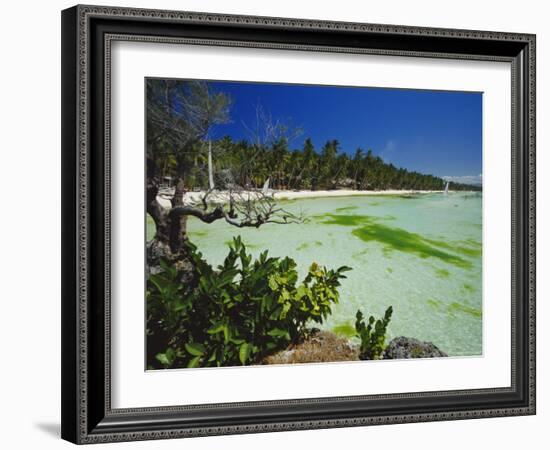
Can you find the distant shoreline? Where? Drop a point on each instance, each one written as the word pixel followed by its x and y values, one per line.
pixel 291 195
pixel 220 197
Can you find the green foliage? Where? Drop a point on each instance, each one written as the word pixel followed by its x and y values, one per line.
pixel 372 335
pixel 237 313
pixel 179 117
pixel 329 167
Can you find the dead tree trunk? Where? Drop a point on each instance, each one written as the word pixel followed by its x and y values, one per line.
pixel 171 230
pixel 177 225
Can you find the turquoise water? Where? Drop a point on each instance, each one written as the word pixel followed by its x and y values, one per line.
pixel 422 255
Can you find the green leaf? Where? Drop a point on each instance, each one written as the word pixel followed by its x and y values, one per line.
pixel 166 358
pixel 157 282
pixel 273 283
pixel 161 357
pixel 277 332
pixel 244 352
pixel 285 310
pixel 216 328
pixel 302 291
pixel 179 306
pixel 227 277
pixel 195 348
pixel 194 362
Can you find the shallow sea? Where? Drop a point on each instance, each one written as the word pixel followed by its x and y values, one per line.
pixel 422 255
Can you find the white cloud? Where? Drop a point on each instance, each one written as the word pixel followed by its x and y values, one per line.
pixel 388 150
pixel 465 179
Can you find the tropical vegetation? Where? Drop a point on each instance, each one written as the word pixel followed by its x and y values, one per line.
pixel 236 314
pixel 372 334
pixel 248 164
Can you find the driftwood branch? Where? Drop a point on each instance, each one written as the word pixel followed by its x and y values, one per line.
pixel 240 209
pixel 199 213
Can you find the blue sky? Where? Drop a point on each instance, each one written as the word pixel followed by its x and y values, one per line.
pixel 434 132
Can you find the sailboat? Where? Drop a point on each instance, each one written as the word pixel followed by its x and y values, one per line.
pixel 265 188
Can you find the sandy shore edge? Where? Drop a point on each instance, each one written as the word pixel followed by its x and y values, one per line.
pixel 195 197
pixel 291 195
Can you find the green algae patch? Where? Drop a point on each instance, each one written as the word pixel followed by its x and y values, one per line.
pixel 350 220
pixel 199 233
pixel 410 196
pixel 287 201
pixel 346 220
pixel 389 270
pixel 472 243
pixel 454 307
pixel 229 242
pixel 442 273
pixel 454 247
pixel 346 208
pixel 405 241
pixel 457 248
pixel 344 330
pixel 459 307
pixel 468 287
pixel 469 251
pixel 435 304
pixel 400 239
pixel 357 255
pixel 305 245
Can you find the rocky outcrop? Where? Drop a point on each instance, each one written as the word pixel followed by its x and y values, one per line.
pixel 158 250
pixel 405 348
pixel 323 346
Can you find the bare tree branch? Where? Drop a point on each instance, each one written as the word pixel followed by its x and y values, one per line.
pixel 205 216
pixel 239 209
pixel 266 131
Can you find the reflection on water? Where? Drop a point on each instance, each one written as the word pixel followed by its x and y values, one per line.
pixel 420 254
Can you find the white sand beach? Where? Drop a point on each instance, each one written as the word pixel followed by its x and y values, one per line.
pixel 291 195
pixel 219 197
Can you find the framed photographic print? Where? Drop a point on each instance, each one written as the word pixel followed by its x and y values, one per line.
pixel 281 224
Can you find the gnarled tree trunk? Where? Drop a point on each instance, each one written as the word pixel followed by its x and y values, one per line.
pixel 171 230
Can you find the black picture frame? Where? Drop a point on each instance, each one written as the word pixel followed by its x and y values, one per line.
pixel 87 416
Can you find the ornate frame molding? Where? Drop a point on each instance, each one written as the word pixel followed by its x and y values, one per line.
pixel 80 417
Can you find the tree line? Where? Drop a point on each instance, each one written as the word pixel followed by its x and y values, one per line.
pixel 248 164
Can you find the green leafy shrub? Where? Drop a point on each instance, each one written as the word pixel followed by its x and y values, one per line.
pixel 372 338
pixel 237 313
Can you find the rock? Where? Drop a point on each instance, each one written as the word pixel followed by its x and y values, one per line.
pixel 157 251
pixel 321 346
pixel 404 348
